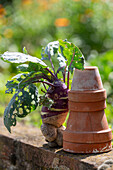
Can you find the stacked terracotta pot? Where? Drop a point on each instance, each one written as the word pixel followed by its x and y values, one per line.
pixel 87 128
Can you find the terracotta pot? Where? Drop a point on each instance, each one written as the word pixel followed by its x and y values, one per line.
pixel 89 79
pixel 87 129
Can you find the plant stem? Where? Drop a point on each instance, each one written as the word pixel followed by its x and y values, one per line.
pixel 72 59
pixel 44 86
pixel 43 91
pixel 63 73
pixel 60 68
pixel 69 69
pixel 54 76
pixel 68 80
pixel 39 81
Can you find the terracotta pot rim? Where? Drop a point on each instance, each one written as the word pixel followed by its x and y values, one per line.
pixel 86 106
pixel 90 67
pixel 87 96
pixel 87 148
pixel 87 91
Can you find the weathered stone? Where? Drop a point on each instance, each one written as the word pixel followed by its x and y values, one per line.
pixel 59 139
pixel 49 131
pixel 25 148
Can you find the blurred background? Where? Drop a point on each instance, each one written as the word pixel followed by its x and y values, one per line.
pixel 34 23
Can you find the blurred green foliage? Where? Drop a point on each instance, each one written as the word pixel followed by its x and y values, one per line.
pixel 34 23
pixel 105 64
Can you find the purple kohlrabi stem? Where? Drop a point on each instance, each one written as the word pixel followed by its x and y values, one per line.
pixel 72 59
pixel 54 76
pixel 63 76
pixel 69 69
pixel 44 86
pixel 63 72
pixel 68 80
pixel 49 84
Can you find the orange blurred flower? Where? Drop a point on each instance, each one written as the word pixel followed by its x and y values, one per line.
pixel 8 33
pixel 2 11
pixel 62 22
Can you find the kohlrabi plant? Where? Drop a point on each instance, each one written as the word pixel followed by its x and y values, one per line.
pixel 59 59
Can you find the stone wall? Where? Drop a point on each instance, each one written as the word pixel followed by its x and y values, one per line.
pixel 26 149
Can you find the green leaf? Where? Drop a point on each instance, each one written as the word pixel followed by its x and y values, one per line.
pixel 34 69
pixel 57 59
pixel 23 68
pixel 31 67
pixel 51 48
pixel 9 117
pixel 37 68
pixel 22 80
pixel 10 86
pixel 33 77
pixel 17 57
pixel 61 59
pixel 72 54
pixel 63 53
pixel 22 103
pixel 13 85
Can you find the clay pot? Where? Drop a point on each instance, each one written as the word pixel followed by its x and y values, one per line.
pixel 87 129
pixel 89 79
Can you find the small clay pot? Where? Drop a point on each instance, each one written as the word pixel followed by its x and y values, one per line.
pixel 87 129
pixel 89 79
